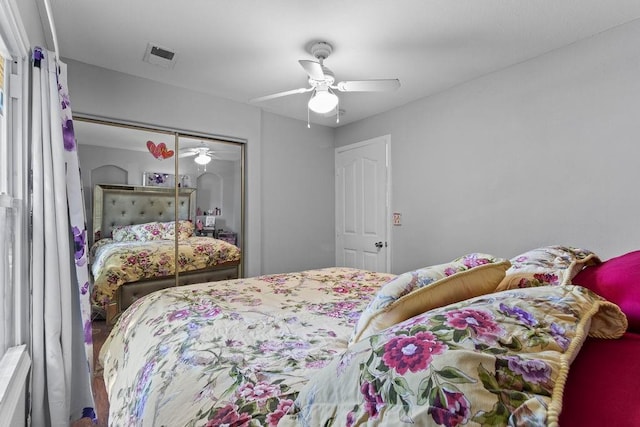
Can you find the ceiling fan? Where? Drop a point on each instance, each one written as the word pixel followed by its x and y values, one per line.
pixel 323 85
pixel 203 154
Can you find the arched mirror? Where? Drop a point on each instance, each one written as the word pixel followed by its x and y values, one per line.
pixel 154 196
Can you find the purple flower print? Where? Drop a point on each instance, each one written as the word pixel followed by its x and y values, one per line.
pixel 373 402
pixel 547 278
pixel 65 101
pixel 297 350
pixel 559 335
pixel 478 322
pixel 88 332
pixel 79 240
pixel 259 392
pixel 270 346
pixel 344 363
pixel 412 353
pixel 38 55
pixel 450 408
pixel 232 343
pixel 68 136
pixel 316 364
pixel 520 314
pixel 207 310
pixel 145 375
pixel 473 260
pixel 532 370
pixel 178 314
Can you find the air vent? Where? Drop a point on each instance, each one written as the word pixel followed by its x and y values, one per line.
pixel 160 56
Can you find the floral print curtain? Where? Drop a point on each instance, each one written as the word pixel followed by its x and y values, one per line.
pixel 61 342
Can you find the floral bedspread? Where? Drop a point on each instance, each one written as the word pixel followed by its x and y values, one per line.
pixel 115 263
pixel 232 352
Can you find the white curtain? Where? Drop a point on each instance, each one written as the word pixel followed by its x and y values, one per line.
pixel 62 350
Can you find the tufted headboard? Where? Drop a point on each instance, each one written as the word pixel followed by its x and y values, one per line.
pixel 125 205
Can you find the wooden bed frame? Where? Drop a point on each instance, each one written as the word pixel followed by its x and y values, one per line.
pixel 115 205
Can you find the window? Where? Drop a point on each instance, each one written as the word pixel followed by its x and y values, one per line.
pixel 14 237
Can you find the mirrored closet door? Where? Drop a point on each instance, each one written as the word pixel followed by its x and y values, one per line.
pixel 137 174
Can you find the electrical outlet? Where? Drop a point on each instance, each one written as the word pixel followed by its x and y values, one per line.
pixel 397 218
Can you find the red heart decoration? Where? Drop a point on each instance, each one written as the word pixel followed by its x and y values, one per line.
pixel 159 151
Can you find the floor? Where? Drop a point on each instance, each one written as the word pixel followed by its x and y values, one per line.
pixel 100 333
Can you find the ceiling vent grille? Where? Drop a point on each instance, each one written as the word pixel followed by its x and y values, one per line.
pixel 160 56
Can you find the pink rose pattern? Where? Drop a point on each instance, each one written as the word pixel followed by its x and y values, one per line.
pixel 412 353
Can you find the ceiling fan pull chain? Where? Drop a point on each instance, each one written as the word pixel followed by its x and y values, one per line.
pixel 338 111
pixel 308 109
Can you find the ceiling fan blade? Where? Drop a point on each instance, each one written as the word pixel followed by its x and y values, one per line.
pixel 382 85
pixel 313 68
pixel 279 94
pixel 187 154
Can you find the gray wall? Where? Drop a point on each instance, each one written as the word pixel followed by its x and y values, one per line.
pixel 544 152
pixel 298 197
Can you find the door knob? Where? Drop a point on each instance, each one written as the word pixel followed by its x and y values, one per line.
pixel 379 245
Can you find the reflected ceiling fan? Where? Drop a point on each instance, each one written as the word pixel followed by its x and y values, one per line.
pixel 322 83
pixel 203 154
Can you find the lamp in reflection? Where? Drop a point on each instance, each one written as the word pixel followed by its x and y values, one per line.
pixel 202 159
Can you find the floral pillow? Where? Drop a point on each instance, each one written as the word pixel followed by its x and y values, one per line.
pixel 550 265
pixel 185 230
pixel 139 232
pixel 497 359
pixel 417 291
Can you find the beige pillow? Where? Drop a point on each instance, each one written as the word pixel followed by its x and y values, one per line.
pixel 548 265
pixel 415 292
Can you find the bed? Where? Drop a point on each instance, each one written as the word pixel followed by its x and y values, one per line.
pixel 481 340
pixel 134 246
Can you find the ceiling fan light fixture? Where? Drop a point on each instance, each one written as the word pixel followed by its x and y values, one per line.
pixel 323 101
pixel 202 159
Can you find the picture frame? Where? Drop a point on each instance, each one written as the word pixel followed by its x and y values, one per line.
pixel 167 180
pixel 158 179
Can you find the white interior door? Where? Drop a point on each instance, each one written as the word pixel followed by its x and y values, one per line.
pixel 362 205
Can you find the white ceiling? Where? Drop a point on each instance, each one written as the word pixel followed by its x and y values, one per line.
pixel 242 49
